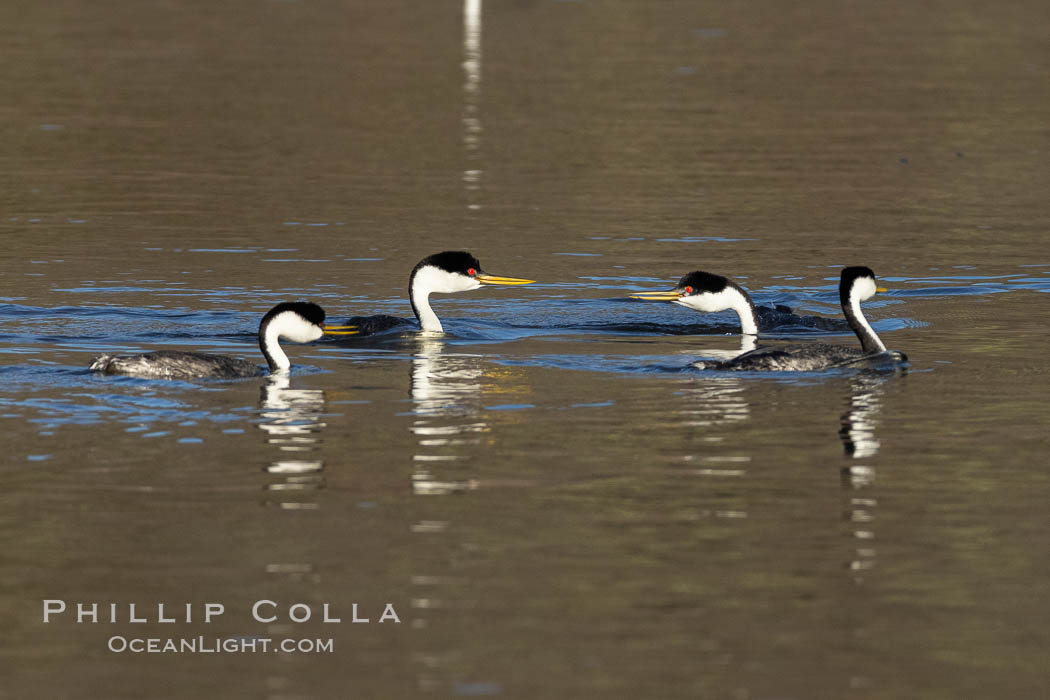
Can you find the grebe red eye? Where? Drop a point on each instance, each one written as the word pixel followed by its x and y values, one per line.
pixel 472 272
pixel 688 290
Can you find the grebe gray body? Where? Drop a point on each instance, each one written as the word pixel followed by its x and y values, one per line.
pixel 442 273
pixel 703 291
pixel 299 322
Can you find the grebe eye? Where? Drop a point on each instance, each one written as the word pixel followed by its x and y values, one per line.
pixel 472 272
pixel 688 290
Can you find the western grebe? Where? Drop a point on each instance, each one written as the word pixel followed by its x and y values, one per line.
pixel 298 321
pixel 441 273
pixel 726 294
pixel 706 292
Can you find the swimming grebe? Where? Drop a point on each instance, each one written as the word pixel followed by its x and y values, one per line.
pixel 298 321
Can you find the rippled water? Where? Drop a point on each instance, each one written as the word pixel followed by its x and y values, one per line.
pixel 555 503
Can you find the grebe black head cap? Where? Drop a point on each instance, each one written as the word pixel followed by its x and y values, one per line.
pixel 851 275
pixel 311 312
pixel 456 261
pixel 699 282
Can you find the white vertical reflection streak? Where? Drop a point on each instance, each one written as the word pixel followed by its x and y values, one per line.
pixel 445 394
pixel 747 344
pixel 472 99
pixel 444 387
pixel 859 442
pixel 292 423
pixel 858 423
pixel 712 403
pixel 716 401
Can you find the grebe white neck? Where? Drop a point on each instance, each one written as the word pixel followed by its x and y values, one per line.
pixel 862 289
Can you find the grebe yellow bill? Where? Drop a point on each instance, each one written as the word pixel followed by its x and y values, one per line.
pixel 703 291
pixel 443 273
pixel 299 322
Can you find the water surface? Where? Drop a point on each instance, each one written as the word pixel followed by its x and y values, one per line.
pixel 556 505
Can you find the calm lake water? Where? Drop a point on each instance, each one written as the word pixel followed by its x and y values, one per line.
pixel 553 503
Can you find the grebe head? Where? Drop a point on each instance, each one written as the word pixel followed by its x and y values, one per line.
pixel 447 273
pixel 703 291
pixel 453 271
pixel 857 282
pixel 297 321
pixel 698 290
